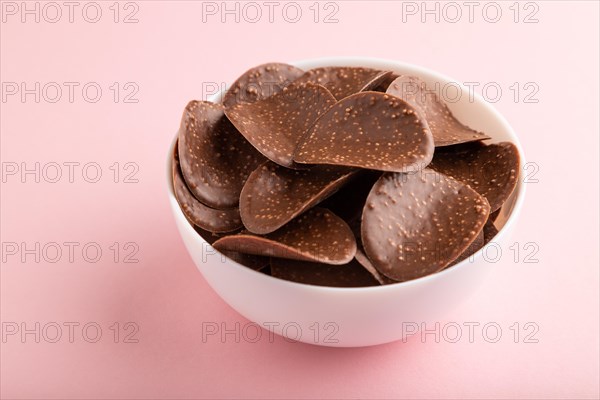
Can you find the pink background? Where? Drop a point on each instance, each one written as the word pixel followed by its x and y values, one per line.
pixel 169 53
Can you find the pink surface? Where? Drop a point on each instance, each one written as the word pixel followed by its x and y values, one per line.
pixel 171 54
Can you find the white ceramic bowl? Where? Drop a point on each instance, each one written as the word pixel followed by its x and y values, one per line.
pixel 352 317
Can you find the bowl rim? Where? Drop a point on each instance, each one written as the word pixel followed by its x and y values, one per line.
pixel 380 63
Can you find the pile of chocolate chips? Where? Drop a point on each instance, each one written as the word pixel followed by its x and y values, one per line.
pixel 338 176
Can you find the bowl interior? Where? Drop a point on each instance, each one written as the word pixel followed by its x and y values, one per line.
pixel 470 108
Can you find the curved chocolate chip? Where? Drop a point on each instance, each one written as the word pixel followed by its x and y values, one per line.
pixel 351 274
pixel 386 82
pixel 317 235
pixel 477 244
pixel 210 237
pixel 257 263
pixel 489 231
pixel 344 81
pixel 363 260
pixel 376 81
pixel 215 159
pixel 461 147
pixel 207 218
pixel 369 130
pixel 274 195
pixel 261 82
pixel 416 224
pixel 446 129
pixel 495 214
pixel 275 125
pixel 491 170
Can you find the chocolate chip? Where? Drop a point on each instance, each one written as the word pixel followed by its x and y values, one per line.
pixel 317 235
pixel 363 260
pixel 351 274
pixel 495 214
pixel 473 248
pixel 215 159
pixel 274 195
pixel 369 130
pixel 275 125
pixel 491 170
pixel 205 217
pixel 260 82
pixel 344 81
pixel 251 261
pixel 257 263
pixel 446 129
pixel 416 224
pixel 386 82
pixel 210 237
pixel 489 231
pixel 376 81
